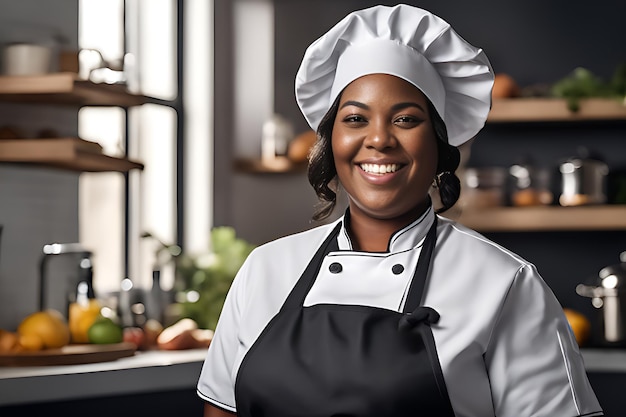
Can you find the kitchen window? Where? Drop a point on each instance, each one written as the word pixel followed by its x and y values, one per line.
pixel 171 197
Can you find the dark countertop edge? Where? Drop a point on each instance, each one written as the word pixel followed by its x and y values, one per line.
pixel 144 372
pixel 604 360
pixel 161 371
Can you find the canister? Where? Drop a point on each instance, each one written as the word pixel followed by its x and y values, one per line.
pixel 583 181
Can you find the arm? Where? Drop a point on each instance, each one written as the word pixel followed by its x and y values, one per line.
pixel 211 411
pixel 216 384
pixel 534 364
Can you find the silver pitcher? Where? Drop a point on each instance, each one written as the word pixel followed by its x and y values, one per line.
pixel 608 295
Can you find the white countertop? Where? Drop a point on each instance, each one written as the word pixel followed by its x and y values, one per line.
pixel 149 371
pixel 155 371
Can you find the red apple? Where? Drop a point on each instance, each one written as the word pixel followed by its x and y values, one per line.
pixel 134 335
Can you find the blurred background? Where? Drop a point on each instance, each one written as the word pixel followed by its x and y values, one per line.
pixel 188 126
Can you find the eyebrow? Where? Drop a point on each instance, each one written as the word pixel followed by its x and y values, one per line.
pixel 355 104
pixel 395 107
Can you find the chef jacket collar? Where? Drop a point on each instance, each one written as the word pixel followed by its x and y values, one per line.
pixel 404 239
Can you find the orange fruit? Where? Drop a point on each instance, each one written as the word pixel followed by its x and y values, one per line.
pixel 8 341
pixel 49 325
pixel 82 316
pixel 580 325
pixel 31 341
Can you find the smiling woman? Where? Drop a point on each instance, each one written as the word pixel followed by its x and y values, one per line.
pixel 392 310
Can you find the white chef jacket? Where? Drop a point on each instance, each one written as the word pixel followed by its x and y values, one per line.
pixel 503 342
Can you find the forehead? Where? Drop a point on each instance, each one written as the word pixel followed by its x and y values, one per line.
pixel 382 86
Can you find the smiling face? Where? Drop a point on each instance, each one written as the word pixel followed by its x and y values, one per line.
pixel 384 148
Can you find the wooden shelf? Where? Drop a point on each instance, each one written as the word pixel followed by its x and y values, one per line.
pixel 280 165
pixel 554 110
pixel 66 153
pixel 65 88
pixel 543 218
pixel 72 154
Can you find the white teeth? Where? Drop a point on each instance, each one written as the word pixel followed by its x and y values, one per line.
pixel 379 169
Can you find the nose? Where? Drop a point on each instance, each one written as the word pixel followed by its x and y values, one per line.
pixel 380 136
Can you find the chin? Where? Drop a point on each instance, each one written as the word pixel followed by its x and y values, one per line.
pixel 392 213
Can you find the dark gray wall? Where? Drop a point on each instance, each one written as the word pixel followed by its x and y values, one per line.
pixel 37 205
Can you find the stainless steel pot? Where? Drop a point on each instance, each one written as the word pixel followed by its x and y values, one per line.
pixel 583 181
pixel 608 295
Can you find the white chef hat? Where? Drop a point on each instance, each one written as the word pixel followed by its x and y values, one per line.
pixel 407 42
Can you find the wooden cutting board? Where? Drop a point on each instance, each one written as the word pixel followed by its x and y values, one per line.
pixel 69 355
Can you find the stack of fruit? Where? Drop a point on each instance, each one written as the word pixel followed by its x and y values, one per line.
pixel 41 330
pixel 50 330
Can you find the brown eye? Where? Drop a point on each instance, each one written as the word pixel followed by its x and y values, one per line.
pixel 354 119
pixel 407 121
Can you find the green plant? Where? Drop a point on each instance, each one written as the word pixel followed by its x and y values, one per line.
pixel 203 281
pixel 582 83
pixel 618 82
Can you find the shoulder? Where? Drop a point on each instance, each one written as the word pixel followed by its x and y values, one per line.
pixel 271 269
pixel 475 264
pixel 463 241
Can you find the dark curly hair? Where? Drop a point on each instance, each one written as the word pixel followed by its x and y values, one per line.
pixel 322 173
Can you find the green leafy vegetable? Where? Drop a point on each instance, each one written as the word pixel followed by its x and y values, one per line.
pixel 202 282
pixel 582 83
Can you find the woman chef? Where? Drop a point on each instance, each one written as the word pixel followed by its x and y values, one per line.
pixel 391 310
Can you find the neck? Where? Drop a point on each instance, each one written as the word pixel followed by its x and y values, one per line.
pixel 370 234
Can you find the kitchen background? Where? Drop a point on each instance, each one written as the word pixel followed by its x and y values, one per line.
pixel 537 43
pixel 258 45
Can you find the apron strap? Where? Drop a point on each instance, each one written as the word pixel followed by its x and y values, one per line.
pixel 301 289
pixel 418 283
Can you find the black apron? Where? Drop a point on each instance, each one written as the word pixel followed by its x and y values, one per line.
pixel 345 360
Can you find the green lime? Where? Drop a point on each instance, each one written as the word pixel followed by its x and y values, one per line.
pixel 105 331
